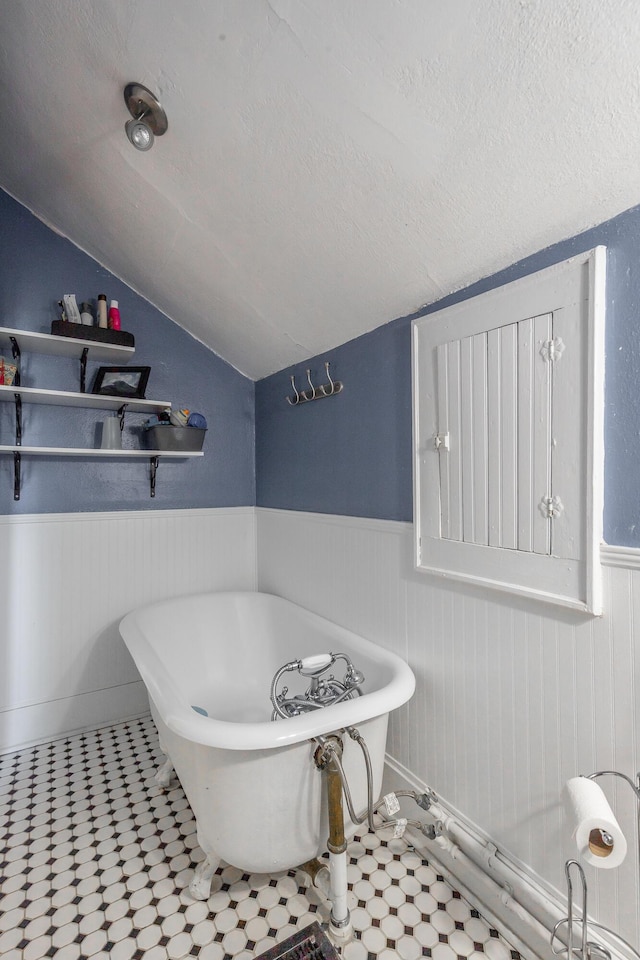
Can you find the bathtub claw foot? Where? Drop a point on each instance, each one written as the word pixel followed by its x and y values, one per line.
pixel 200 886
pixel 164 774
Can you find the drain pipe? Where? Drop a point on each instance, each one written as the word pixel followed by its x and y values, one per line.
pixel 488 858
pixel 482 859
pixel 494 888
pixel 318 872
pixel 340 926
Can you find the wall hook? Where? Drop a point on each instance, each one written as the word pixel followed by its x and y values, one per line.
pixel 315 393
pixel 313 389
pixel 297 399
pixel 325 392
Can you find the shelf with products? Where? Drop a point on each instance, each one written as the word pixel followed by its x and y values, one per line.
pixel 52 345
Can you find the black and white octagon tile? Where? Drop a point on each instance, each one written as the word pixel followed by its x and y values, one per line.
pixel 96 861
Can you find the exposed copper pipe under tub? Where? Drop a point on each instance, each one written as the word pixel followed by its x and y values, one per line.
pixel 327 758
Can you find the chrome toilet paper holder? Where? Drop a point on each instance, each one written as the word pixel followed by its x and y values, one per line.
pixel 588 949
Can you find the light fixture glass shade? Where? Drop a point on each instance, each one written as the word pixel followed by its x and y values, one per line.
pixel 140 135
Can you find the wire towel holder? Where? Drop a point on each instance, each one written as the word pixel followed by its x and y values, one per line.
pixel 588 950
pixel 314 393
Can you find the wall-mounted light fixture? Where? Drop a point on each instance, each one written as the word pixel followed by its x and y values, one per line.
pixel 148 117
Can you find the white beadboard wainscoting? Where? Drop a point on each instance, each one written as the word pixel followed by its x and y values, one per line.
pixel 66 580
pixel 513 697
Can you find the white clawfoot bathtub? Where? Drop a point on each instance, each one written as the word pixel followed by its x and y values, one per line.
pixel 255 791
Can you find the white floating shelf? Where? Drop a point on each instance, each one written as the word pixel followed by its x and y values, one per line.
pixel 97 452
pixel 153 456
pixel 55 346
pixel 66 398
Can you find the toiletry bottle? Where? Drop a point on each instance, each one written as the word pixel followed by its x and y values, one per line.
pixel 114 316
pixel 102 310
pixel 85 314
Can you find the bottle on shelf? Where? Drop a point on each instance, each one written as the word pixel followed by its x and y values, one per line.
pixel 114 316
pixel 102 310
pixel 86 315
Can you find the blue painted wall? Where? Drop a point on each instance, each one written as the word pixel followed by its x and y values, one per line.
pixel 37 267
pixel 352 454
pixel 348 455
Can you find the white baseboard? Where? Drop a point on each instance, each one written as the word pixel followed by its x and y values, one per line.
pixel 42 722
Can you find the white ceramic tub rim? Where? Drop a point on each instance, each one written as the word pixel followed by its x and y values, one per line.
pixel 179 716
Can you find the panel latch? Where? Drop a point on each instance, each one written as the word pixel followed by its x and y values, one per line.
pixel 551 507
pixel 552 350
pixel 441 441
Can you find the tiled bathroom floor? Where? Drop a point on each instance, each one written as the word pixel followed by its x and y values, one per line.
pixel 95 861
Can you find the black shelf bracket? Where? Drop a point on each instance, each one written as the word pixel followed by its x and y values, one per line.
pixel 121 412
pixel 154 470
pixel 83 370
pixel 16 475
pixel 18 400
pixel 15 350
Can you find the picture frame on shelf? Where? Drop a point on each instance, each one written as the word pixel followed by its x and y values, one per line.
pixel 130 383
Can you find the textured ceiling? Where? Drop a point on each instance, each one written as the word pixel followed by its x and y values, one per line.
pixel 329 164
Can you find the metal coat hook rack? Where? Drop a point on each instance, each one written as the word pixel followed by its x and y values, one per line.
pixel 314 393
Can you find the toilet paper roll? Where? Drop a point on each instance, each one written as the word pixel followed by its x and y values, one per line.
pixel 598 837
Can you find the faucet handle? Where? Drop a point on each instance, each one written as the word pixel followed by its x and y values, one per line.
pixel 311 666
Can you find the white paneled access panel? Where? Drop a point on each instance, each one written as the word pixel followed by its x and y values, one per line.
pixel 508 447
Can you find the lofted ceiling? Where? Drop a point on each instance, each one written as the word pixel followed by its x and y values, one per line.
pixel 329 164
